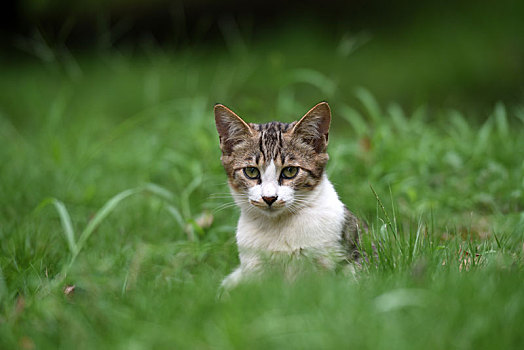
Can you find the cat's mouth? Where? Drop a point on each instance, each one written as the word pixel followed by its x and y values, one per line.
pixel 274 207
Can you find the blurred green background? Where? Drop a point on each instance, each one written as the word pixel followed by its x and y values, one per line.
pixel 451 54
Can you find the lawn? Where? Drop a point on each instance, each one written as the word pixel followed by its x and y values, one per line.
pixel 116 229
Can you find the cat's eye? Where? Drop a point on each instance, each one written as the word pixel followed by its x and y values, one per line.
pixel 289 172
pixel 251 173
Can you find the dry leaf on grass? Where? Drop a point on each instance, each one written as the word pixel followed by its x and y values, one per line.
pixel 69 290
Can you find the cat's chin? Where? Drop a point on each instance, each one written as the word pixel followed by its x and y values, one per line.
pixel 272 211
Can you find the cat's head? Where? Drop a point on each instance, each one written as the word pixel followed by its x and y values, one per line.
pixel 274 168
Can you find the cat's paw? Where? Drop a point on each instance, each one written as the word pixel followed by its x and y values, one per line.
pixel 232 280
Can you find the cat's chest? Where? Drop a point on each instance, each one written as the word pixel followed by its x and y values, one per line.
pixel 315 227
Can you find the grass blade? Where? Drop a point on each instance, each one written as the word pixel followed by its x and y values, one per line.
pixel 501 119
pixel 370 104
pixel 65 220
pixel 417 241
pixel 159 191
pixel 398 117
pixel 388 222
pixel 315 78
pixel 175 213
pixel 3 287
pixel 186 193
pixel 101 215
pixel 519 113
pixel 354 118
pixel 484 137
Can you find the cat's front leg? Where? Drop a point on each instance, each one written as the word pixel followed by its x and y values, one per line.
pixel 250 266
pixel 233 279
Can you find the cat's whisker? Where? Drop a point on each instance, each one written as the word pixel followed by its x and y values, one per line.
pixel 295 207
pixel 216 195
pixel 221 208
pixel 291 209
pixel 224 206
pixel 300 204
pixel 248 209
pixel 300 200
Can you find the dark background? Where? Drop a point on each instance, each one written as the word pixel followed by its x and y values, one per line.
pixel 446 53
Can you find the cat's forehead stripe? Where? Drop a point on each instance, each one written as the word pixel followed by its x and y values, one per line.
pixel 270 139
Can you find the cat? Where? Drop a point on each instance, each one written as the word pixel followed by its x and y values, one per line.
pixel 287 204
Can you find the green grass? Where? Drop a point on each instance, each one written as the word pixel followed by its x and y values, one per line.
pixel 110 174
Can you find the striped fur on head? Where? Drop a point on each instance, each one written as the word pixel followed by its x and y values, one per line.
pixel 270 148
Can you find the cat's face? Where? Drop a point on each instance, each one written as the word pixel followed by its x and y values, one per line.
pixel 274 168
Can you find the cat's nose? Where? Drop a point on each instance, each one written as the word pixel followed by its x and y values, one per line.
pixel 269 200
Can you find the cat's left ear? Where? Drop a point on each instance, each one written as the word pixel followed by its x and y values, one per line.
pixel 231 128
pixel 313 127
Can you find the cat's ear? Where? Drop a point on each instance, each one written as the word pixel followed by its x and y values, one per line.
pixel 313 127
pixel 231 128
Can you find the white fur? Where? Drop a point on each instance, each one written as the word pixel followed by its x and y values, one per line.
pixel 313 224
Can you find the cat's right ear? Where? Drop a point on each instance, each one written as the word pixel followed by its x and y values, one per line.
pixel 231 128
pixel 313 128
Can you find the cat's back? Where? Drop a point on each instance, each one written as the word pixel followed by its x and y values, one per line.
pixel 351 232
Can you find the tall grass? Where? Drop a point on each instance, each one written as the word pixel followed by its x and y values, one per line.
pixel 111 238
